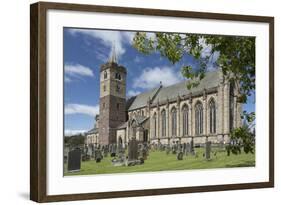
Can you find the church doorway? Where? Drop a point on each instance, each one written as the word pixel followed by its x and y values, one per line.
pixel 120 140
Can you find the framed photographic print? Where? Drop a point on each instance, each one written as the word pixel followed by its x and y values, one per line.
pixel 135 102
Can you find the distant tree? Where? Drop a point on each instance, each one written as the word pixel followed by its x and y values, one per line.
pixel 236 56
pixel 75 140
pixel 243 137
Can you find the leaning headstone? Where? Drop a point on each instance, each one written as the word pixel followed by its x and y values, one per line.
pixel 133 150
pixel 208 150
pixel 180 156
pixel 74 160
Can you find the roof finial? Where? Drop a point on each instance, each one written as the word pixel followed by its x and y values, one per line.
pixel 113 57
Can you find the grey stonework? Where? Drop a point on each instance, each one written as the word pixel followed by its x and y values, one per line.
pixel 140 116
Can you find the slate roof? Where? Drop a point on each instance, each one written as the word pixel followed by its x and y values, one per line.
pixel 140 119
pixel 122 126
pixel 211 80
pixel 141 99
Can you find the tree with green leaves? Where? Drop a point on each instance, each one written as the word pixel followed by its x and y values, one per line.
pixel 243 137
pixel 235 55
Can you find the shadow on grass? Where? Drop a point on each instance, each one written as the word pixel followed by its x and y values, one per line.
pixel 244 164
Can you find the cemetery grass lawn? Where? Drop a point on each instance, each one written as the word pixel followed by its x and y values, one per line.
pixel 160 161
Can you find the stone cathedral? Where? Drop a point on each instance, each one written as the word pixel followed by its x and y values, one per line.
pixel 164 114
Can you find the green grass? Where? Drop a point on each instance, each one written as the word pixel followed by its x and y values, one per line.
pixel 160 161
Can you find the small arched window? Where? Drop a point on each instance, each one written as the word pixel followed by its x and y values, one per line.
pixel 174 121
pixel 185 119
pixel 105 75
pixel 212 109
pixel 117 76
pixel 163 122
pixel 199 118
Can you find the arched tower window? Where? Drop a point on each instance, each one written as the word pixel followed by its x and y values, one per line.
pixel 199 118
pixel 185 119
pixel 174 121
pixel 117 76
pixel 163 122
pixel 154 124
pixel 105 75
pixel 212 110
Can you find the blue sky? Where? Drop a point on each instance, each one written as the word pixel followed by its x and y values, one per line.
pixel 86 49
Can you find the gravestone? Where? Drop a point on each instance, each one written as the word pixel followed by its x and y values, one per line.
pixel 98 155
pixel 184 148
pixel 208 150
pixel 110 148
pixel 174 148
pixel 113 150
pixel 192 147
pixel 65 154
pixel 93 151
pixel 187 148
pixel 168 149
pixel 133 150
pixel 74 160
pixel 105 151
pixel 143 152
pixel 180 156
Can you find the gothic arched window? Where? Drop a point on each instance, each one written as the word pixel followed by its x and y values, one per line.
pixel 174 121
pixel 212 109
pixel 105 75
pixel 154 125
pixel 117 76
pixel 185 119
pixel 199 118
pixel 163 122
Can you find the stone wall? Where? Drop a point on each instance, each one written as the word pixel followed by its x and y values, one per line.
pixel 220 96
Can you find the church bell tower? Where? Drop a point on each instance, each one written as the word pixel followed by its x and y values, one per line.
pixel 112 99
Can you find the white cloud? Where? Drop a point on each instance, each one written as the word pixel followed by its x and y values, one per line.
pixel 78 70
pixel 108 38
pixel 206 50
pixel 137 59
pixel 73 132
pixel 132 93
pixel 67 79
pixel 71 109
pixel 151 77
